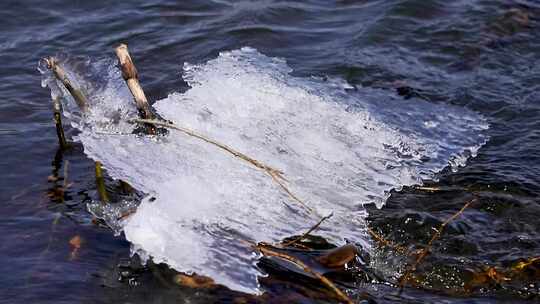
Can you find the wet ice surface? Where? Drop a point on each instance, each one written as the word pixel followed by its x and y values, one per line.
pixel 337 151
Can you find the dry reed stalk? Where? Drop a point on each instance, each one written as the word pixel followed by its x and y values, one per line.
pixel 275 174
pixel 82 102
pixel 429 189
pixel 130 75
pixel 60 74
pixel 424 252
pixel 442 189
pixel 269 252
pixel 384 242
pixel 298 239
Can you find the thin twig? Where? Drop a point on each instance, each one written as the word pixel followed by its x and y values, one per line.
pixel 278 178
pixel 441 189
pixel 384 242
pixel 298 239
pixel 429 245
pixel 430 189
pixel 269 252
pixel 276 175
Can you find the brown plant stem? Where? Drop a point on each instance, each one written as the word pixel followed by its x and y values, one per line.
pixel 80 99
pixel 130 75
pixel 60 74
pixel 384 242
pixel 424 252
pixel 82 102
pixel 269 252
pixel 298 239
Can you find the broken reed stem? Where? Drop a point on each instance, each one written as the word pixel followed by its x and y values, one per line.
pixel 429 189
pixel 100 183
pixel 441 189
pixel 429 245
pixel 130 75
pixel 269 252
pixel 384 242
pixel 61 75
pixel 298 239
pixel 77 95
pixel 57 108
pixel 82 102
pixel 276 175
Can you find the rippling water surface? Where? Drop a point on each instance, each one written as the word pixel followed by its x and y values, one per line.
pixel 478 56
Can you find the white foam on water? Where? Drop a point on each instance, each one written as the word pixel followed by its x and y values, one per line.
pixel 338 152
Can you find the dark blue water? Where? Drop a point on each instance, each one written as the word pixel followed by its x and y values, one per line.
pixel 483 55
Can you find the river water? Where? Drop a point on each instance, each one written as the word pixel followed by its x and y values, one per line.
pixel 449 59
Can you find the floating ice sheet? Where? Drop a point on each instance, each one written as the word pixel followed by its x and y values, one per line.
pixel 338 152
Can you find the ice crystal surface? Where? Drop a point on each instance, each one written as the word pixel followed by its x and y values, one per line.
pixel 338 152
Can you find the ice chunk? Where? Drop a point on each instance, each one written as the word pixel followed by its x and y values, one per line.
pixel 338 152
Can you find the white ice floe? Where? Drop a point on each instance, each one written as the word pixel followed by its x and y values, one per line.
pixel 338 152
